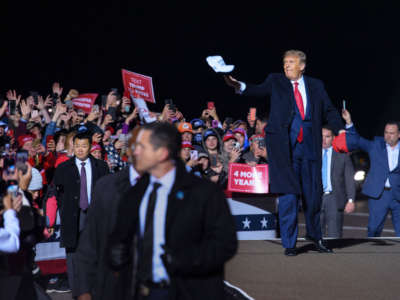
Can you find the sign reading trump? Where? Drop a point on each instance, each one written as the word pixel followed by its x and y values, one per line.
pixel 84 102
pixel 247 179
pixel 138 85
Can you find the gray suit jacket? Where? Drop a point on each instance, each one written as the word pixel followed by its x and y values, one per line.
pixel 342 178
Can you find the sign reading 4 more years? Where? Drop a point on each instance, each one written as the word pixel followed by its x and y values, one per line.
pixel 247 179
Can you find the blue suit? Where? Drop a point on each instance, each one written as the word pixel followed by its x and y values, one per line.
pixel 380 200
pixel 295 168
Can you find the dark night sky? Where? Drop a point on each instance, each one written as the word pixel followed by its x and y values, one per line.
pixel 351 47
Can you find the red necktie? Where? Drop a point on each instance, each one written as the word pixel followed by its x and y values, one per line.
pixel 299 102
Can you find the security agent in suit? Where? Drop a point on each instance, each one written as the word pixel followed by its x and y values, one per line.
pixel 338 185
pixel 185 230
pixel 74 180
pixel 299 105
pixel 382 185
pixel 97 279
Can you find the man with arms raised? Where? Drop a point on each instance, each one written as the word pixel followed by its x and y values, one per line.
pixel 299 105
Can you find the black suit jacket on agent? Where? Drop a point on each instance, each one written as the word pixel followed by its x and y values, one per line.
pixel 342 179
pixel 199 233
pixel 67 182
pixel 282 111
pixel 95 276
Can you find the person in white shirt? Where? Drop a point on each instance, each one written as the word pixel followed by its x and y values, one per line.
pixel 9 234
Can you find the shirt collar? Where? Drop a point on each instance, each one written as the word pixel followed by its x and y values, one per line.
pixel 329 149
pixel 167 180
pixel 393 149
pixel 300 81
pixel 133 175
pixel 78 161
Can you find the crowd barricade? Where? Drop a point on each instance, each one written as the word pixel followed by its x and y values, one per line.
pixel 50 257
pixel 247 194
pixel 251 205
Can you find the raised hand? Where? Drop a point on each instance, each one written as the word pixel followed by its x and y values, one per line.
pixel 25 110
pixel 40 104
pixel 12 95
pixel 234 155
pixel 57 89
pixel 111 100
pixel 250 121
pixel 132 116
pixel 213 113
pixel 346 116
pixel 232 82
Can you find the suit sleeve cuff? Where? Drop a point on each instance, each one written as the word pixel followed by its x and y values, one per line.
pixel 242 88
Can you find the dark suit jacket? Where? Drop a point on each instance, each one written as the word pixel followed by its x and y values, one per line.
pixel 379 169
pixel 342 179
pixel 199 233
pixel 67 182
pixel 282 113
pixel 95 276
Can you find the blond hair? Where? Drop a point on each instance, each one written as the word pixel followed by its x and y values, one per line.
pixel 300 54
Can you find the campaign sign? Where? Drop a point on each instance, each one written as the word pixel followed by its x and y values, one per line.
pixel 138 85
pixel 246 179
pixel 84 102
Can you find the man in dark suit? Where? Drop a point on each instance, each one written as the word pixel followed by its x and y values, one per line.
pixel 338 186
pixel 97 279
pixel 382 185
pixel 74 180
pixel 185 230
pixel 299 105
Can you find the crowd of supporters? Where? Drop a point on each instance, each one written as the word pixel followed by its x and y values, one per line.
pixel 41 130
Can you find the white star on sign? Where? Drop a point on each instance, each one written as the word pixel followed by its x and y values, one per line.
pixel 264 223
pixel 246 223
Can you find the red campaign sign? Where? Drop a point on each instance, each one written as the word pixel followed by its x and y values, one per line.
pixel 85 102
pixel 246 179
pixel 138 85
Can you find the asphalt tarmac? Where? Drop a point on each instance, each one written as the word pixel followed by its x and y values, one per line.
pixel 359 268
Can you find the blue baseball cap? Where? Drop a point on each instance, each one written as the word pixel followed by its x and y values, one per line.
pixel 197 123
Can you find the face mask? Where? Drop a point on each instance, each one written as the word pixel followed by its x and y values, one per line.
pixel 127 108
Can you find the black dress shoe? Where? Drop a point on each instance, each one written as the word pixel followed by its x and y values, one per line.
pixel 290 252
pixel 321 248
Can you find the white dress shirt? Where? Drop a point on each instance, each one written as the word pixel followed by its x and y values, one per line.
pixel 393 157
pixel 328 169
pixel 302 90
pixel 160 213
pixel 133 175
pixel 9 235
pixel 88 169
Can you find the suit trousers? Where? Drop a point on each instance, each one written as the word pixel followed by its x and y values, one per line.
pixel 378 210
pixel 307 172
pixel 72 262
pixel 331 217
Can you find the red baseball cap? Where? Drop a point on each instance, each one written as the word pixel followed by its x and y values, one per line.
pixel 22 139
pixel 95 147
pixel 228 136
pixel 186 144
pixel 240 130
